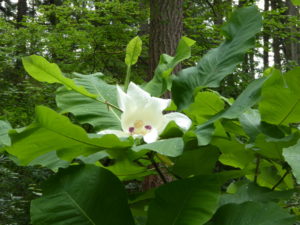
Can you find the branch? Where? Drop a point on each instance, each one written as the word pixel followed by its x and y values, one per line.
pixel 280 180
pixel 150 156
pixel 257 168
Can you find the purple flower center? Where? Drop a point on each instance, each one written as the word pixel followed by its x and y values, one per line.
pixel 148 127
pixel 131 129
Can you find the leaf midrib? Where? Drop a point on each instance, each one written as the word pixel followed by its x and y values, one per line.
pixel 79 208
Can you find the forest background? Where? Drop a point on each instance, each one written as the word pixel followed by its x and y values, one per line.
pixel 91 37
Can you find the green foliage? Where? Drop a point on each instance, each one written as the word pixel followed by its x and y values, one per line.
pixel 54 132
pixel 235 165
pixel 161 80
pixel 252 213
pixel 178 202
pixel 101 201
pixel 41 70
pixel 244 24
pixel 88 110
pixel 274 107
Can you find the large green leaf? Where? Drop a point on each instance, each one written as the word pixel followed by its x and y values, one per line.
pixel 185 202
pixel 170 147
pixel 87 110
pixel 41 70
pixel 82 195
pixel 160 82
pixel 240 30
pixel 4 128
pixel 280 102
pixel 133 51
pixel 54 132
pixel 252 213
pixel 292 156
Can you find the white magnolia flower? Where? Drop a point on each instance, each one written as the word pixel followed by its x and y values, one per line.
pixel 142 115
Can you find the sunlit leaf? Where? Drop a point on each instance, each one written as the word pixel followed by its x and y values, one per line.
pixel 40 69
pixel 292 156
pixel 133 51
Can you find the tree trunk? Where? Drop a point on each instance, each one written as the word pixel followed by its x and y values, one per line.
pixel 292 45
pixel 276 41
pixel 165 30
pixel 21 11
pixel 266 38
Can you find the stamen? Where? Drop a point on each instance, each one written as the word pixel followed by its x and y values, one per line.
pixel 148 127
pixel 138 124
pixel 131 129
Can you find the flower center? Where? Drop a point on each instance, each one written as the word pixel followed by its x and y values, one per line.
pixel 140 128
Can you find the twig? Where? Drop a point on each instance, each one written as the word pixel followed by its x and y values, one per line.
pixel 257 168
pixel 150 156
pixel 281 179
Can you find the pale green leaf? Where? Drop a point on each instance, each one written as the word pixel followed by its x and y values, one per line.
pixel 40 69
pixel 133 51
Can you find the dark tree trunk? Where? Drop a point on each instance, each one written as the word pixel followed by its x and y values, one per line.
pixel 266 38
pixel 21 11
pixel 276 41
pixel 218 12
pixel 292 43
pixel 165 30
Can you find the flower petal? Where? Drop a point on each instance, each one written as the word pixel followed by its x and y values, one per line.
pixel 152 136
pixel 122 98
pixel 118 133
pixel 161 103
pixel 180 119
pixel 138 95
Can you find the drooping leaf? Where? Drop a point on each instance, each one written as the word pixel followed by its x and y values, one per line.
pixel 250 121
pixel 250 213
pixel 85 195
pixel 247 192
pixel 133 51
pixel 240 30
pixel 87 110
pixel 54 132
pixel 50 160
pixel 292 156
pixel 4 128
pixel 280 103
pixel 170 147
pixel 185 202
pixel 161 80
pixel 41 70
